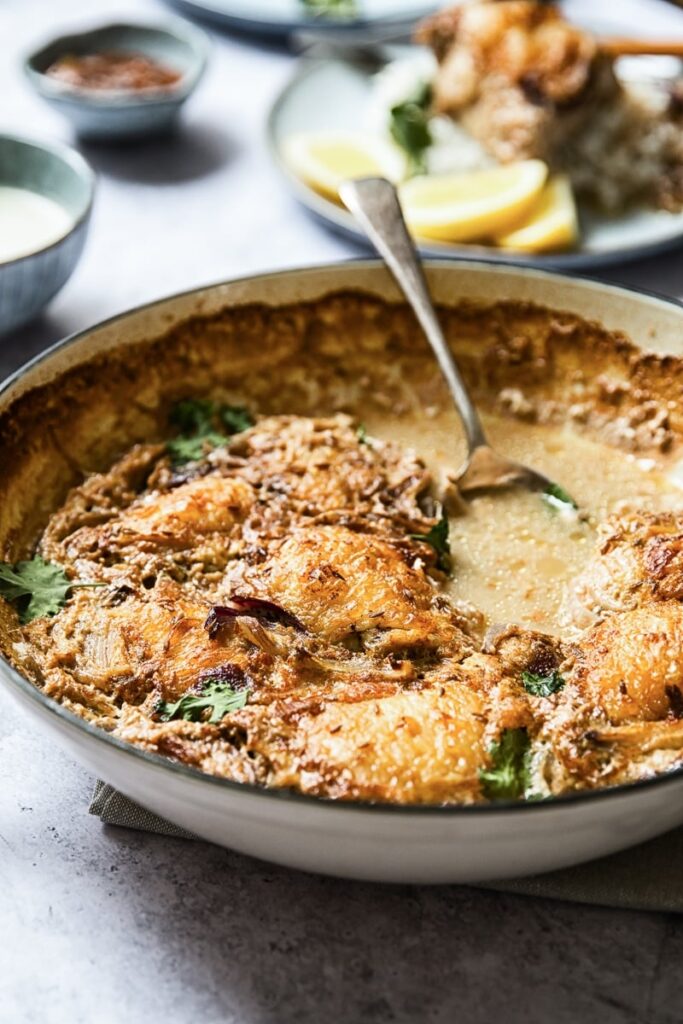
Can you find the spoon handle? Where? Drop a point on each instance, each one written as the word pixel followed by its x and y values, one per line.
pixel 374 203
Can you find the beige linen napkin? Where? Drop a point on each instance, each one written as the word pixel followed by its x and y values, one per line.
pixel 646 877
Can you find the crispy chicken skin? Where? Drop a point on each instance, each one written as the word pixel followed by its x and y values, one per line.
pixel 345 586
pixel 408 746
pixel 291 561
pixel 631 665
pixel 319 466
pixel 414 746
pixel 639 559
pixel 151 643
pixel 619 716
pixel 624 669
pixel 199 521
pixel 283 471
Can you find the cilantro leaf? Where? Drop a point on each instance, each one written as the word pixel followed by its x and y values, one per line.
pixel 558 498
pixel 198 420
pixel 508 776
pixel 193 415
pixel 362 434
pixel 191 449
pixel 236 418
pixel 542 685
pixel 409 127
pixel 214 695
pixel 438 538
pixel 36 587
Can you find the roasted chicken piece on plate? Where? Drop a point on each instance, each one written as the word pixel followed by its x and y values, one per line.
pixel 517 75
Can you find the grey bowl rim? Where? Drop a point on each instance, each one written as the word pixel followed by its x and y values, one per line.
pixel 79 165
pixel 193 37
pixel 249 789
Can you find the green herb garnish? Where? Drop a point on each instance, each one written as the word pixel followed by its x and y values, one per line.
pixel 191 449
pixel 409 127
pixel 508 777
pixel 236 418
pixel 558 498
pixel 331 8
pixel 36 587
pixel 193 415
pixel 199 421
pixel 438 538
pixel 542 685
pixel 361 434
pixel 214 695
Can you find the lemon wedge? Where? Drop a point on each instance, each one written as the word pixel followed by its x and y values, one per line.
pixel 323 160
pixel 551 224
pixel 463 207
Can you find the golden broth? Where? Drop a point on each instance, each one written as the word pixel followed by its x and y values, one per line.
pixel 513 554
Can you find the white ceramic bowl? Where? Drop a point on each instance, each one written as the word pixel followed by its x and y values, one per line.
pixel 383 843
pixel 57 172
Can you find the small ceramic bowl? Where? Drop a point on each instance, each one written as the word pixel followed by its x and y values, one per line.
pixel 29 282
pixel 122 113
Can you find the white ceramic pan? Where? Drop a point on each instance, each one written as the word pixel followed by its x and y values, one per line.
pixel 398 844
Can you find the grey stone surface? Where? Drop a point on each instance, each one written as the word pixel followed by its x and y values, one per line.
pixel 107 925
pixel 110 925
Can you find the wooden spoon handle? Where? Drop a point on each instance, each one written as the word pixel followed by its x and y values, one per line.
pixel 616 47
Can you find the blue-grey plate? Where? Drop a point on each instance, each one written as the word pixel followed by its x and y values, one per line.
pixel 336 94
pixel 28 283
pixel 282 17
pixel 122 113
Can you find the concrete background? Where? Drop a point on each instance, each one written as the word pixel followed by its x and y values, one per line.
pixel 108 925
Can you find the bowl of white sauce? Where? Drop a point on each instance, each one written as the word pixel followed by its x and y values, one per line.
pixel 46 193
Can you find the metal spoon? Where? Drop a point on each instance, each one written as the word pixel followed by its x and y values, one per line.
pixel 374 203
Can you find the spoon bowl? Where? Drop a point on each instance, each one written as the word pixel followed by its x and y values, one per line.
pixel 485 470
